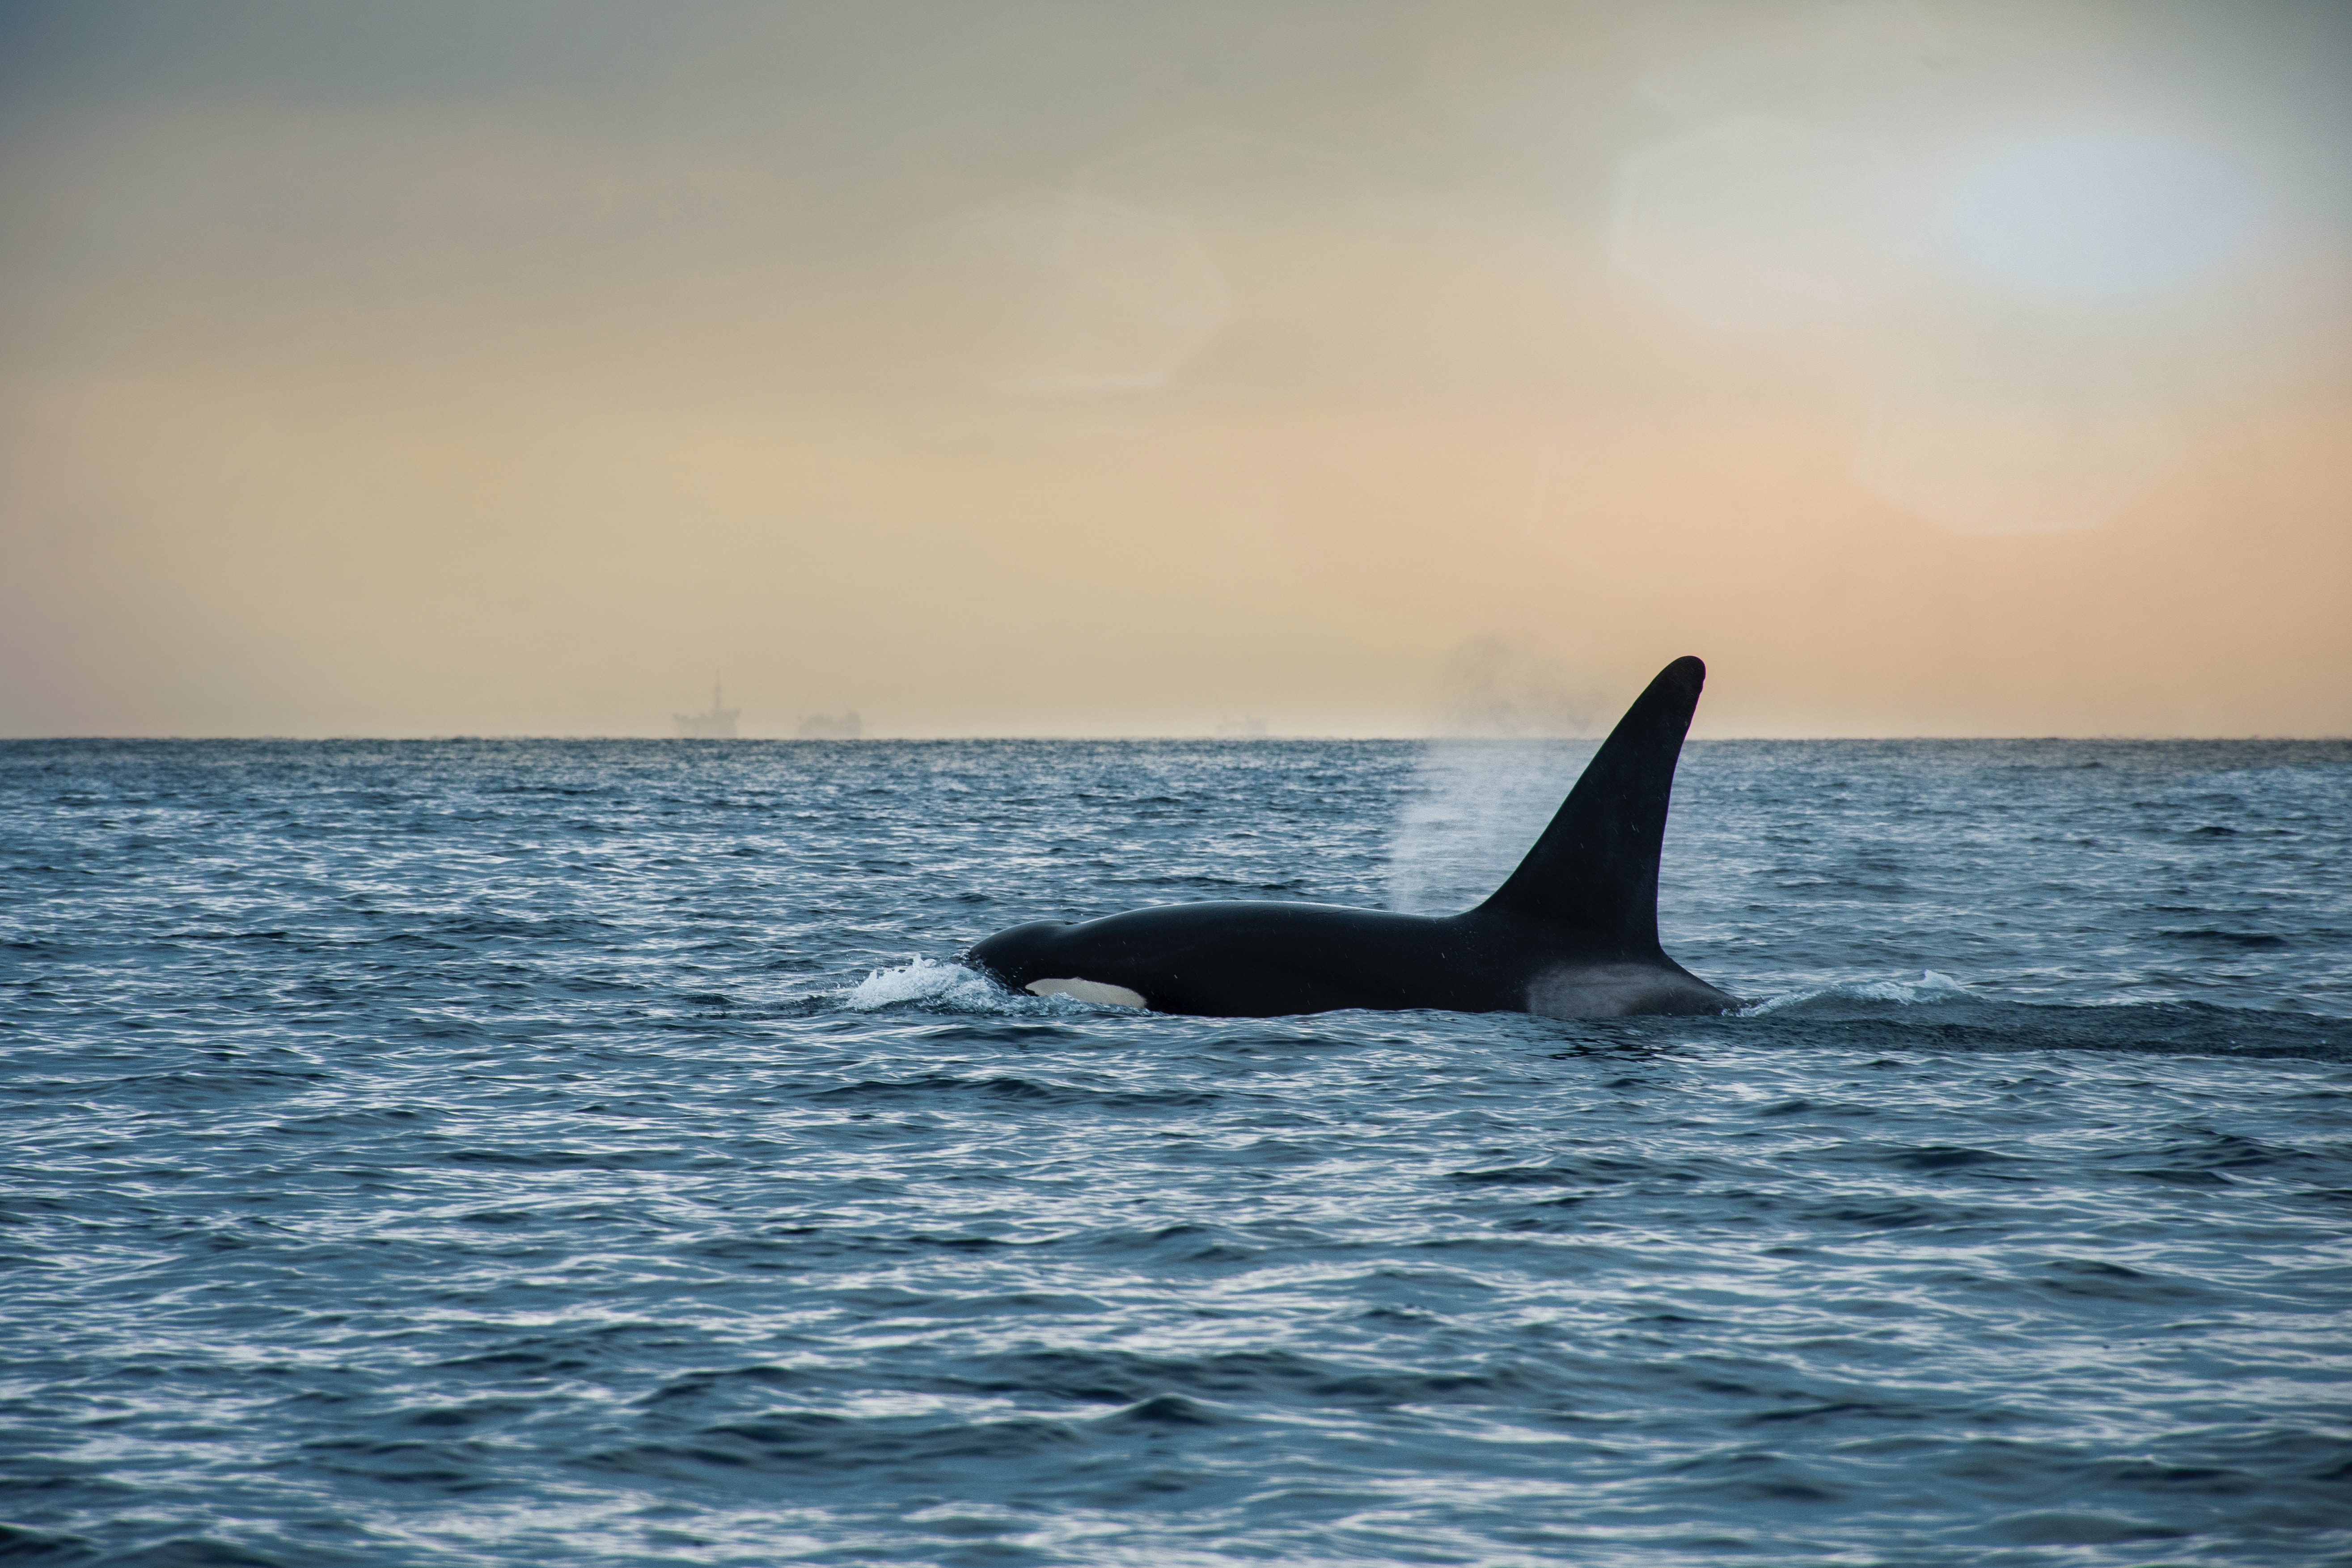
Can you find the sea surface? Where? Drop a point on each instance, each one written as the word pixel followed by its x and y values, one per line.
pixel 590 1152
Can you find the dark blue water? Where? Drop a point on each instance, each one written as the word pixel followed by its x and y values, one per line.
pixel 480 1152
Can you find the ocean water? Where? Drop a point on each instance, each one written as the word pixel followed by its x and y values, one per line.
pixel 548 1152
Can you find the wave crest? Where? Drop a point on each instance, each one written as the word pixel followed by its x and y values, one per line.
pixel 1930 987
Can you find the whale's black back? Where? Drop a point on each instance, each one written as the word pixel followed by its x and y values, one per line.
pixel 1594 872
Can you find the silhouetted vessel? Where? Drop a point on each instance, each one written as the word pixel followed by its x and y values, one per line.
pixel 832 726
pixel 718 724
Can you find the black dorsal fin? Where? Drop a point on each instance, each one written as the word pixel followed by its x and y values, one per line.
pixel 1595 869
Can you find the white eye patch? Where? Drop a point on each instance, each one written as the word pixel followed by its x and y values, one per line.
pixel 1092 991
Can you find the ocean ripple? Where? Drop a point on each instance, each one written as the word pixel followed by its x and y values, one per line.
pixel 481 1151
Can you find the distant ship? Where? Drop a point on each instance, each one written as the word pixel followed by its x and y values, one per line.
pixel 719 724
pixel 832 726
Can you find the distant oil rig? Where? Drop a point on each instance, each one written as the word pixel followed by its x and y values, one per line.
pixel 718 724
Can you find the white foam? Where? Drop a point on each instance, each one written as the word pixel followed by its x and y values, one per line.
pixel 952 988
pixel 1930 987
pixel 924 981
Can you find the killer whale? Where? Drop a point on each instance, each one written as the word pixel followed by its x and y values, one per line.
pixel 1572 933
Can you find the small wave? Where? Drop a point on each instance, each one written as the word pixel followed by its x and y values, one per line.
pixel 2221 937
pixel 1897 1014
pixel 1930 987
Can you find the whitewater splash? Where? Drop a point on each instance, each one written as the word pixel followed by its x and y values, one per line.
pixel 922 979
pixel 951 988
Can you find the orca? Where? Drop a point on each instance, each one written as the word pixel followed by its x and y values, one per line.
pixel 1573 933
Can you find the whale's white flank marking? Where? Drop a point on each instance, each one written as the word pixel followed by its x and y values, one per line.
pixel 1088 991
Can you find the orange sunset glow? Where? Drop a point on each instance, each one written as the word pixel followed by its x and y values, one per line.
pixel 1953 369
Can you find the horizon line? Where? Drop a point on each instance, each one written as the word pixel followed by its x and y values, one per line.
pixel 1132 738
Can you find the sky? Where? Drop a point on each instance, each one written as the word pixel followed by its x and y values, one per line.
pixel 1929 367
